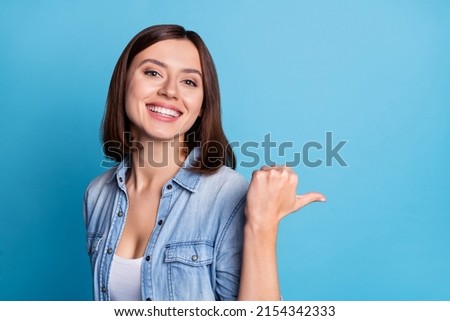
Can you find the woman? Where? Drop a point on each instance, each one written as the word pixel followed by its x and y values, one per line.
pixel 174 221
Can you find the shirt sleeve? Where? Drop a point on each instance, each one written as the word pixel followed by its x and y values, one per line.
pixel 229 256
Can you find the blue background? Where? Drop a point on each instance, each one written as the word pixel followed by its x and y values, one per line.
pixel 374 73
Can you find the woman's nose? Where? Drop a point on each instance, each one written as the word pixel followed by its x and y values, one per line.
pixel 169 89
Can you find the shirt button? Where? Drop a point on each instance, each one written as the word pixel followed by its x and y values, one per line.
pixel 120 179
pixel 160 222
pixel 194 258
pixel 147 258
pixel 120 214
pixel 169 187
pixel 103 289
pixel 110 250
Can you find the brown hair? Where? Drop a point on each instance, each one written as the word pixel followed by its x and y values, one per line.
pixel 207 131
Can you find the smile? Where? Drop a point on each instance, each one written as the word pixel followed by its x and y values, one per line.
pixel 163 111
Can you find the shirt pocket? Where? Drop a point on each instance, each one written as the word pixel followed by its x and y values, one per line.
pixel 93 241
pixel 189 270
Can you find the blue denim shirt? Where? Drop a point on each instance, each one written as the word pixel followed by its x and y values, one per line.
pixel 195 249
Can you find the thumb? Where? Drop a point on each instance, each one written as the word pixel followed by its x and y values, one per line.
pixel 305 199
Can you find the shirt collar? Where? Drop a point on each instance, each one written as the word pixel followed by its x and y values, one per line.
pixel 185 177
pixel 120 172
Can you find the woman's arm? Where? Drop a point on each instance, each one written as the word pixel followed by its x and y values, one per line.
pixel 271 196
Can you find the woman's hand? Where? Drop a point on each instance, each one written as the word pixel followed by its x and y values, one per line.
pixel 272 195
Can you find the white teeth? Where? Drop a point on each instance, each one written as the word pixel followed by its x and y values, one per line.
pixel 163 111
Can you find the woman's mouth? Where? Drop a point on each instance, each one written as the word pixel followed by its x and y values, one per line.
pixel 167 112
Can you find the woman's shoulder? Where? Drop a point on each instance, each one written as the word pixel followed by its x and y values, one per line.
pixel 228 175
pixel 101 181
pixel 227 180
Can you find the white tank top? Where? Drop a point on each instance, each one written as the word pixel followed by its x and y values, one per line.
pixel 125 279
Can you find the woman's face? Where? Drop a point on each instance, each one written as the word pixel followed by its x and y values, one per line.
pixel 164 90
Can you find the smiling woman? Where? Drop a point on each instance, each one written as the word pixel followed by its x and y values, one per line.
pixel 157 77
pixel 174 220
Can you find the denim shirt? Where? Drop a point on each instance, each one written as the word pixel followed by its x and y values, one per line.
pixel 195 249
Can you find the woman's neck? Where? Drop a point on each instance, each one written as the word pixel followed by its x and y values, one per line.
pixel 153 164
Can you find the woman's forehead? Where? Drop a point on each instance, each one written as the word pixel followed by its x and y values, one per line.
pixel 174 53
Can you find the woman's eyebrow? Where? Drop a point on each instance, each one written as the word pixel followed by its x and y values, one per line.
pixel 164 65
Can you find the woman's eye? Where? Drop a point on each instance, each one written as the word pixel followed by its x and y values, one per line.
pixel 190 83
pixel 152 73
